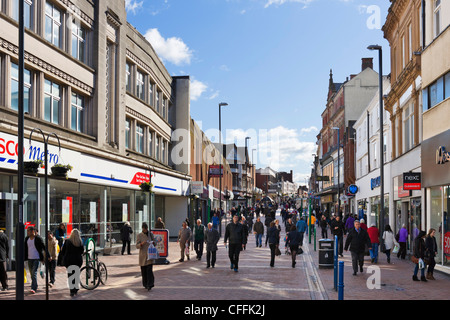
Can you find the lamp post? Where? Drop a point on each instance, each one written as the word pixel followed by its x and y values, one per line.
pixel 380 78
pixel 46 196
pixel 222 104
pixel 20 228
pixel 339 169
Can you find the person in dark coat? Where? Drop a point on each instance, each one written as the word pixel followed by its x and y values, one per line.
pixel 60 235
pixel 337 229
pixel 273 236
pixel 419 253
pixel 357 239
pixel 72 253
pixel 212 236
pixel 125 234
pixel 4 255
pixel 234 232
pixel 431 252
pixel 293 241
pixel 258 230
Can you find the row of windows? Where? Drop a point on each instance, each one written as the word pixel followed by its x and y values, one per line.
pixel 145 141
pixel 140 84
pixel 53 99
pixel 54 24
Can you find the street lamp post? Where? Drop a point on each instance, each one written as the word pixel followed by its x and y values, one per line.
pixel 380 78
pixel 339 170
pixel 222 104
pixel 46 197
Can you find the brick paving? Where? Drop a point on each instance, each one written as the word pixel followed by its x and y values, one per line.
pixel 256 280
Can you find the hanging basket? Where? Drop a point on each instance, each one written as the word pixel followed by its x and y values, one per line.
pixel 146 186
pixel 32 167
pixel 59 170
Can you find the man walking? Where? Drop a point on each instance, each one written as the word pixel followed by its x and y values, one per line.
pixel 235 233
pixel 374 236
pixel 184 239
pixel 199 238
pixel 301 228
pixel 4 255
pixel 34 253
pixel 357 239
pixel 258 230
pixel 211 238
pixel 337 228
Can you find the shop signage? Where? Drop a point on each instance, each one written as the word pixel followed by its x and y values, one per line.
pixel 442 155
pixel 196 187
pixel 412 181
pixel 375 182
pixel 327 198
pixel 352 189
pixel 162 241
pixel 403 193
pixel 322 178
pixel 215 171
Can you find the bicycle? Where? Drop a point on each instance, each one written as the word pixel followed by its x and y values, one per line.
pixel 95 271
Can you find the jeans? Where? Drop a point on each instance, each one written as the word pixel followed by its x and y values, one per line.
pixel 52 270
pixel 258 238
pixel 374 252
pixel 233 254
pixel 416 271
pixel 33 267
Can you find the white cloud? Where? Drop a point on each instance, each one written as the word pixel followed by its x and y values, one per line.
pixel 196 89
pixel 133 5
pixel 173 49
pixel 309 130
pixel 280 2
pixel 214 95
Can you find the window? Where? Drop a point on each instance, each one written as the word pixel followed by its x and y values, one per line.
pixel 436 92
pixel 28 11
pixel 410 41
pixel 52 100
pixel 127 133
pixel 437 17
pixel 164 107
pixel 139 138
pixel 128 76
pixel 78 41
pixel 52 24
pixel 151 93
pixel 158 101
pixel 163 151
pixel 157 147
pixel 15 88
pixel 77 112
pixel 375 155
pixel 140 85
pixel 150 143
pixel 408 125
pixel 403 51
pixel 385 148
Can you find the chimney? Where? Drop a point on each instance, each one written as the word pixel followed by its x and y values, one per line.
pixel 367 63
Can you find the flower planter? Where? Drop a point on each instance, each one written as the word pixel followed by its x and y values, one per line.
pixel 146 187
pixel 60 171
pixel 31 167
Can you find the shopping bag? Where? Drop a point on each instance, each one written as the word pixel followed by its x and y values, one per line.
pixel 396 248
pixel 24 275
pixel 421 264
pixel 152 253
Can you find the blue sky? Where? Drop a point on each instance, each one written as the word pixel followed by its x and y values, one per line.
pixel 268 59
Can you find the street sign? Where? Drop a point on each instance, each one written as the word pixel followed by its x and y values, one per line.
pixel 215 171
pixel 352 189
pixel 196 187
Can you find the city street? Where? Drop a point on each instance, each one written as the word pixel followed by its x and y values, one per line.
pixel 191 280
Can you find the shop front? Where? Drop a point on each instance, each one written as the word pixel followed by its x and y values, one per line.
pixel 97 197
pixel 436 181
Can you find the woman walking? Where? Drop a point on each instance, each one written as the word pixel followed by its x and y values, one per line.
pixel 389 241
pixel 293 241
pixel 143 241
pixel 273 237
pixel 72 253
pixel 430 253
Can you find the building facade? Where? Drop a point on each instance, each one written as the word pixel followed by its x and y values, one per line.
pixel 436 126
pixel 96 83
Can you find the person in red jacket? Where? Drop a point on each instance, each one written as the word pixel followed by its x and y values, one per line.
pixel 374 235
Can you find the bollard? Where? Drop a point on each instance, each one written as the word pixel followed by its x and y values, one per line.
pixel 335 262
pixel 314 239
pixel 341 281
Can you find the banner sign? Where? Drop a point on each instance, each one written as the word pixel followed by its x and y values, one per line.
pixel 215 171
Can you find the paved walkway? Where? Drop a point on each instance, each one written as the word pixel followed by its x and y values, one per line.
pixel 190 280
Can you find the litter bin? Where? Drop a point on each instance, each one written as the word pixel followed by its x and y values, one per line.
pixel 326 253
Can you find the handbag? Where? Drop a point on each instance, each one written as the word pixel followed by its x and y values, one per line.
pixel 383 248
pixel 277 251
pixel 152 253
pixel 414 259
